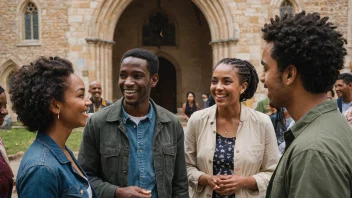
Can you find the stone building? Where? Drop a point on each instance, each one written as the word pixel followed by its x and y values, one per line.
pixel 188 36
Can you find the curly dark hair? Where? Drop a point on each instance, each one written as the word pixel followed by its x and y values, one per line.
pixel 33 88
pixel 246 73
pixel 311 44
pixel 152 60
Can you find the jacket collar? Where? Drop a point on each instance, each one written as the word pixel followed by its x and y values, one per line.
pixel 49 143
pixel 311 115
pixel 115 112
pixel 243 116
pixel 103 102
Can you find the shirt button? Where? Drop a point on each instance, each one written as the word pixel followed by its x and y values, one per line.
pixel 210 161
pixel 134 126
pixel 214 132
pixel 140 150
pixel 237 151
pixel 81 191
pixel 124 172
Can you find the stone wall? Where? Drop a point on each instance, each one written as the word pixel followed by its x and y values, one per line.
pixel 66 26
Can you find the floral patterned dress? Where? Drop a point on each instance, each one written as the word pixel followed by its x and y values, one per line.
pixel 223 163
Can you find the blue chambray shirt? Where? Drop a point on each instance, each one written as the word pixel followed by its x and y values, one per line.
pixel 141 164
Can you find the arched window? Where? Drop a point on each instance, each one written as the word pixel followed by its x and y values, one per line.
pixel 31 28
pixel 286 8
pixel 158 30
pixel 10 81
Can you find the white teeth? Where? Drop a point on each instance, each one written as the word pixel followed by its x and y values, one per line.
pixel 220 96
pixel 130 91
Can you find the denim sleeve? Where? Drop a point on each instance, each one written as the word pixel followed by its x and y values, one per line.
pixel 89 159
pixel 38 181
pixel 180 181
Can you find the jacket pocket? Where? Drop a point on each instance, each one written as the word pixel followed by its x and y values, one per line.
pixel 76 191
pixel 255 153
pixel 169 158
pixel 109 159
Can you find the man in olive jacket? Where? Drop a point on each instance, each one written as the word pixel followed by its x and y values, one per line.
pixel 135 148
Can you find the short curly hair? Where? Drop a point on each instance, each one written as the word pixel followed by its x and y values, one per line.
pixel 311 44
pixel 34 87
pixel 246 73
pixel 152 59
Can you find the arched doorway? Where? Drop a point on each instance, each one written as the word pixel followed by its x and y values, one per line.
pixel 164 94
pixel 178 33
pixel 194 32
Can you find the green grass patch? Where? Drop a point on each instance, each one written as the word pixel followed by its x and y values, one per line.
pixel 17 140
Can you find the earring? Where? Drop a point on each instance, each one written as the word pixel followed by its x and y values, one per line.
pixel 58 116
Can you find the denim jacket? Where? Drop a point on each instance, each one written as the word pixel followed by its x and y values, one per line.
pixel 104 152
pixel 45 171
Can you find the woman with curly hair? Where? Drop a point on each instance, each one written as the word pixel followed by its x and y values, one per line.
pixel 6 175
pixel 50 99
pixel 231 150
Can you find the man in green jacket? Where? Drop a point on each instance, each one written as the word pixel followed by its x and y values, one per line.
pixel 135 148
pixel 302 58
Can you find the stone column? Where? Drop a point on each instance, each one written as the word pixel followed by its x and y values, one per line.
pixel 222 49
pixel 100 64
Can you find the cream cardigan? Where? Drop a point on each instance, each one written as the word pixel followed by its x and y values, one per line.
pixel 256 152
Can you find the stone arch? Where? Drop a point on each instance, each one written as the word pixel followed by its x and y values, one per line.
pixel 101 34
pixel 217 13
pixel 19 11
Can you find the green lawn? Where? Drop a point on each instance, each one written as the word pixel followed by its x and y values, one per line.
pixel 18 140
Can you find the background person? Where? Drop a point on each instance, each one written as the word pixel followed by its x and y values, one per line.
pixel 262 106
pixel 190 106
pixel 50 99
pixel 97 101
pixel 343 87
pixel 205 98
pixel 231 149
pixel 7 124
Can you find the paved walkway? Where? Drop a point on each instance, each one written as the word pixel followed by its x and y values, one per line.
pixel 15 164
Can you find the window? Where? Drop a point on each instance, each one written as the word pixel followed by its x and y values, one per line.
pixel 158 30
pixel 286 8
pixel 31 31
pixel 10 81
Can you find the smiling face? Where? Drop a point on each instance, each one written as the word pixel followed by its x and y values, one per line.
pixel 271 78
pixel 135 81
pixel 3 104
pixel 342 89
pixel 95 90
pixel 225 86
pixel 73 111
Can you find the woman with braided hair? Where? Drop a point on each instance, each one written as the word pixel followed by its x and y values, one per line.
pixel 231 150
